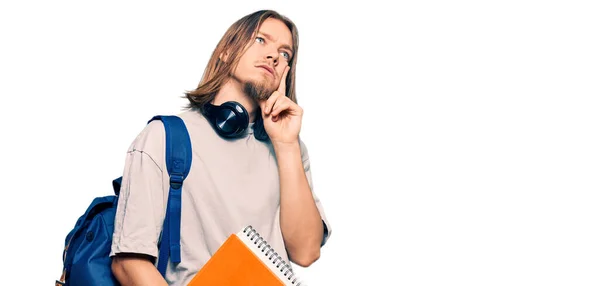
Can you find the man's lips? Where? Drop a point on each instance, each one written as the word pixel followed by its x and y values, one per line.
pixel 268 68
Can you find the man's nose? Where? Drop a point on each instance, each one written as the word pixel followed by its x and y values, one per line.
pixel 273 57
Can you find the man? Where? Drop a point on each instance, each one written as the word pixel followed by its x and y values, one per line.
pixel 257 174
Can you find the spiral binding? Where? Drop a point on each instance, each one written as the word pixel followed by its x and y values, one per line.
pixel 269 252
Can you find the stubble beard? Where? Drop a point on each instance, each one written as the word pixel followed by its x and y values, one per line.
pixel 257 91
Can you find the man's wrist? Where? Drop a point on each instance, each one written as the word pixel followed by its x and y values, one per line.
pixel 286 147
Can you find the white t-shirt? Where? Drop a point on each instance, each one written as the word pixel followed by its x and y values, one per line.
pixel 231 184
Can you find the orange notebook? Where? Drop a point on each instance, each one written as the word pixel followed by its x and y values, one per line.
pixel 246 259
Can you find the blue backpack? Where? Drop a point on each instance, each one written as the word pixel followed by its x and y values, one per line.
pixel 86 258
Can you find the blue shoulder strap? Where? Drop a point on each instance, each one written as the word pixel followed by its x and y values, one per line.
pixel 179 160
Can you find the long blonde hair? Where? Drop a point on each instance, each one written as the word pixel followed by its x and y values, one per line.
pixel 233 42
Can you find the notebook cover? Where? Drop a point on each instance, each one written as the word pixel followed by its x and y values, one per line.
pixel 234 264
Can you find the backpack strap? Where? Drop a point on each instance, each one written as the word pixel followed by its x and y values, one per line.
pixel 178 161
pixel 117 185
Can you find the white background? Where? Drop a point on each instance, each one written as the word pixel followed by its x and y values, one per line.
pixel 452 142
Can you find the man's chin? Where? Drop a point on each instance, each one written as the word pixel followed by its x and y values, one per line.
pixel 258 92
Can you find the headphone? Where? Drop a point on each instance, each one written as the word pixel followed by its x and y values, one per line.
pixel 231 119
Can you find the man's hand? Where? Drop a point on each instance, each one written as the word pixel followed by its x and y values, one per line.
pixel 282 117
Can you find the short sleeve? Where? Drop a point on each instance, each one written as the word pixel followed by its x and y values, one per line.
pixel 307 171
pixel 141 205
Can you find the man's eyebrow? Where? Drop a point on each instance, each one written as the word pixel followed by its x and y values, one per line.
pixel 270 38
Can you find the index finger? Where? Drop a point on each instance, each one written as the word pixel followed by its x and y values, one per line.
pixel 283 79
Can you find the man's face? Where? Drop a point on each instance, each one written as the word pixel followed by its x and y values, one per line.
pixel 260 68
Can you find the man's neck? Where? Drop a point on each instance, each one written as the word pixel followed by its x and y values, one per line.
pixel 232 91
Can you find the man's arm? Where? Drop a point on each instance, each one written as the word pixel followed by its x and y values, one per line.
pixel 300 219
pixel 142 197
pixel 134 270
pixel 301 223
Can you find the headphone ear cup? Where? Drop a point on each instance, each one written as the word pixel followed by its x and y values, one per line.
pixel 241 115
pixel 229 119
pixel 259 130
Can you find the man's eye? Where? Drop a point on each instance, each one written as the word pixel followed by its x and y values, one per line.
pixel 286 55
pixel 259 40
